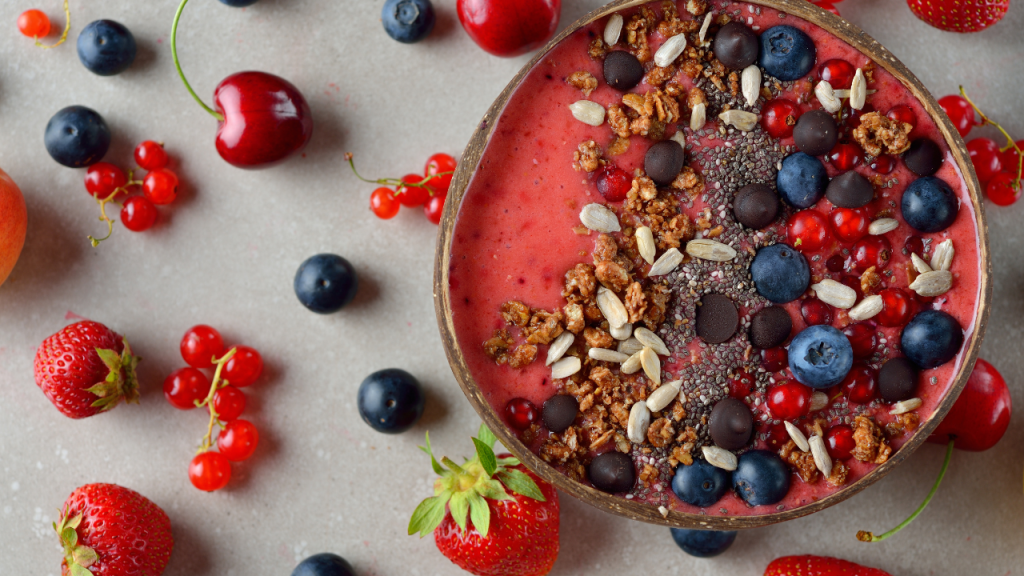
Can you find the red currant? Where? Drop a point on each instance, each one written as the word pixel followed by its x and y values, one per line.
pixel 914 245
pixel 778 437
pixel 789 400
pixel 102 178
pixel 244 367
pixel 412 196
pixel 741 387
pixel 1011 160
pixel 903 114
pixel 520 413
pixel 237 441
pixel 384 204
pixel 851 117
pixel 209 471
pixel 160 186
pixel 613 183
pixel 437 164
pixel 808 231
pixel 200 345
pixel 1003 189
pixel 774 359
pixel 827 6
pixel 896 308
pixel 850 224
pixel 815 312
pixel 872 251
pixel 229 402
pixel 150 155
pixel 838 73
pixel 883 164
pixel 960 112
pixel 34 24
pixel 860 384
pixel 853 282
pixel 138 214
pixel 863 339
pixel 986 158
pixel 846 156
pixel 779 116
pixel 839 442
pixel 186 386
pixel 434 208
pixel 835 264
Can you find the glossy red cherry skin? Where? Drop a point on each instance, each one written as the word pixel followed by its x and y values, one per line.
pixel 860 384
pixel 838 73
pixel 789 400
pixel 980 416
pixel 510 28
pixel 839 442
pixel 779 116
pixel 266 119
pixel 903 114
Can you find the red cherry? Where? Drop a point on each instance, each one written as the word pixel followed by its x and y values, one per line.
pixel 863 339
pixel 434 208
pixel 244 367
pixel 860 384
pixel 883 164
pixel 896 308
pixel 209 471
pixel 835 264
pixel 986 158
pixel 238 440
pixel 838 73
pixel 437 164
pixel 229 402
pixel 774 359
pixel 1003 189
pixel 160 186
pixel 789 400
pixel 200 345
pixel 960 112
pixel 266 119
pixel 903 114
pixel 102 178
pixel 138 214
pixel 186 386
pixel 412 196
pixel 846 156
pixel 150 155
pixel 839 442
pixel 849 224
pixel 507 28
pixel 815 312
pixel 1010 158
pixel 872 251
pixel 809 231
pixel 613 183
pixel 914 245
pixel 34 24
pixel 779 116
pixel 384 204
pixel 520 413
pixel 980 416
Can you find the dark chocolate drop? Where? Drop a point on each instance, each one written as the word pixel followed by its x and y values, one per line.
pixel 622 71
pixel 815 133
pixel 897 380
pixel 560 412
pixel 850 190
pixel 612 472
pixel 924 157
pixel 770 327
pixel 717 318
pixel 731 424
pixel 664 161
pixel 755 206
pixel 736 46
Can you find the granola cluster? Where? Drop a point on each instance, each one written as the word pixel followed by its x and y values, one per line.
pixel 879 135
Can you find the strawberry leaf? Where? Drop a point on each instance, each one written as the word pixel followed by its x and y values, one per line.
pixel 69 536
pixel 520 483
pixel 78 570
pixel 433 461
pixel 479 513
pixel 486 455
pixel 494 490
pixel 459 507
pixel 85 556
pixel 111 359
pixel 428 515
pixel 486 436
pixel 508 462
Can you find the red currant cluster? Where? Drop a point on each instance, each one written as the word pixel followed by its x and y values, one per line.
pixel 429 191
pixel 829 5
pixel 108 183
pixel 36 24
pixel 203 348
pixel 999 169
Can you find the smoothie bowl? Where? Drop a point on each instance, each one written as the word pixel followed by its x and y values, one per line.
pixel 713 264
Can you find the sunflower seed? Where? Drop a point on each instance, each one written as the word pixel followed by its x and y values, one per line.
pixel 639 422
pixel 883 225
pixel 750 80
pixel 663 511
pixel 868 308
pixel 645 242
pixel 651 340
pixel 704 27
pixel 827 97
pixel 719 457
pixel 710 250
pixel 679 138
pixel 631 366
pixel 565 367
pixel 667 263
pixel 612 308
pixel 651 364
pixel 835 293
pixel 920 265
pixel 588 112
pixel 698 117
pixel 670 50
pixel 932 283
pixel 798 437
pixel 622 332
pixel 818 401
pixel 606 355
pixel 858 90
pixel 559 346
pixel 846 93
pixel 664 395
pixel 613 29
pixel 739 119
pixel 631 346
pixel 942 255
pixel 905 406
pixel 821 457
pixel 599 218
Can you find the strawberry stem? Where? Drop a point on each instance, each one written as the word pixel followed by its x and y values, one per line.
pixel 396 181
pixel 64 35
pixel 865 536
pixel 985 120
pixel 177 64
pixel 215 385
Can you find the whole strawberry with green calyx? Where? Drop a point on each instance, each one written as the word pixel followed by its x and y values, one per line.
pixel 86 368
pixel 109 530
pixel 818 566
pixel 512 527
pixel 960 15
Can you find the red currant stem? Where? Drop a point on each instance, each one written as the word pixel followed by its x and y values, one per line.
pixel 1010 143
pixel 215 385
pixel 64 36
pixel 395 181
pixel 103 208
pixel 177 64
pixel 870 537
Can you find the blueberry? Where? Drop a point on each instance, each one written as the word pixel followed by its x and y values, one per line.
pixel 802 180
pixel 787 53
pixel 391 400
pixel 106 47
pixel 703 543
pixel 239 3
pixel 931 339
pixel 408 21
pixel 761 478
pixel 700 484
pixel 77 136
pixel 323 564
pixel 929 205
pixel 780 273
pixel 820 356
pixel 325 283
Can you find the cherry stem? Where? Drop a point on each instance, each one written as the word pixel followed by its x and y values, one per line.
pixel 395 181
pixel 103 207
pixel 217 384
pixel 1011 144
pixel 64 36
pixel 177 64
pixel 864 536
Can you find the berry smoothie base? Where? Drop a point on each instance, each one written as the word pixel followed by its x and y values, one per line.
pixel 518 232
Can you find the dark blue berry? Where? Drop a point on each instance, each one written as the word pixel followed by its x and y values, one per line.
pixel 802 180
pixel 780 273
pixel 820 356
pixel 325 283
pixel 787 53
pixel 408 21
pixel 239 3
pixel 761 478
pixel 77 137
pixel 700 484
pixel 325 564
pixel 929 205
pixel 703 543
pixel 931 339
pixel 391 400
pixel 106 47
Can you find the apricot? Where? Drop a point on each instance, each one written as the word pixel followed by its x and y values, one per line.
pixel 13 224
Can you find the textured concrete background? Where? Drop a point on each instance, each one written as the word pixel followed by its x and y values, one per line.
pixel 226 252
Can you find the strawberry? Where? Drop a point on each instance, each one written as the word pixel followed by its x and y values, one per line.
pixel 86 368
pixel 818 566
pixel 107 530
pixel 507 534
pixel 960 15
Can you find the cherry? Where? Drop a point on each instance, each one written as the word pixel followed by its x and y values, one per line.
pixel 103 178
pixel 200 345
pixel 883 164
pixel 151 155
pixel 839 442
pixel 412 196
pixel 809 231
pixel 903 114
pixel 186 386
pixel 138 214
pixel 815 312
pixel 836 263
pixel 914 245
pixel 229 402
pixel 789 400
pixel 384 204
pixel 209 471
pixel 237 440
pixel 434 208
pixel 774 359
pixel 860 384
pixel 613 183
pixel 440 163
pixel 838 73
pixel 863 339
pixel 981 415
pixel 160 186
pixel 849 224
pixel 872 251
pixel 520 413
pixel 779 116
pixel 897 308
pixel 846 156
pixel 34 24
pixel 1003 189
pixel 244 367
pixel 509 29
pixel 960 112
pixel 986 158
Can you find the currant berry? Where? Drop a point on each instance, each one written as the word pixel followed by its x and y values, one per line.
pixel 903 114
pixel 836 263
pixel 244 367
pixel 34 24
pixel 229 403
pixel 613 183
pixel 237 441
pixel 897 308
pixel 852 282
pixel 774 359
pixel 960 112
pixel 412 196
pixel 201 345
pixel 434 208
pixel 851 117
pixel 520 413
pixel 186 386
pixel 883 164
pixel 741 387
pixel 160 186
pixel 1003 189
pixel 860 384
pixel 1011 160
pixel 827 6
pixel 138 214
pixel 838 73
pixel 102 178
pixel 789 400
pixel 438 164
pixel 815 312
pixel 809 231
pixel 872 251
pixel 384 204
pixel 846 156
pixel 986 157
pixel 150 155
pixel 914 245
pixel 839 442
pixel 209 471
pixel 779 116
pixel 863 339
pixel 778 437
pixel 849 224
